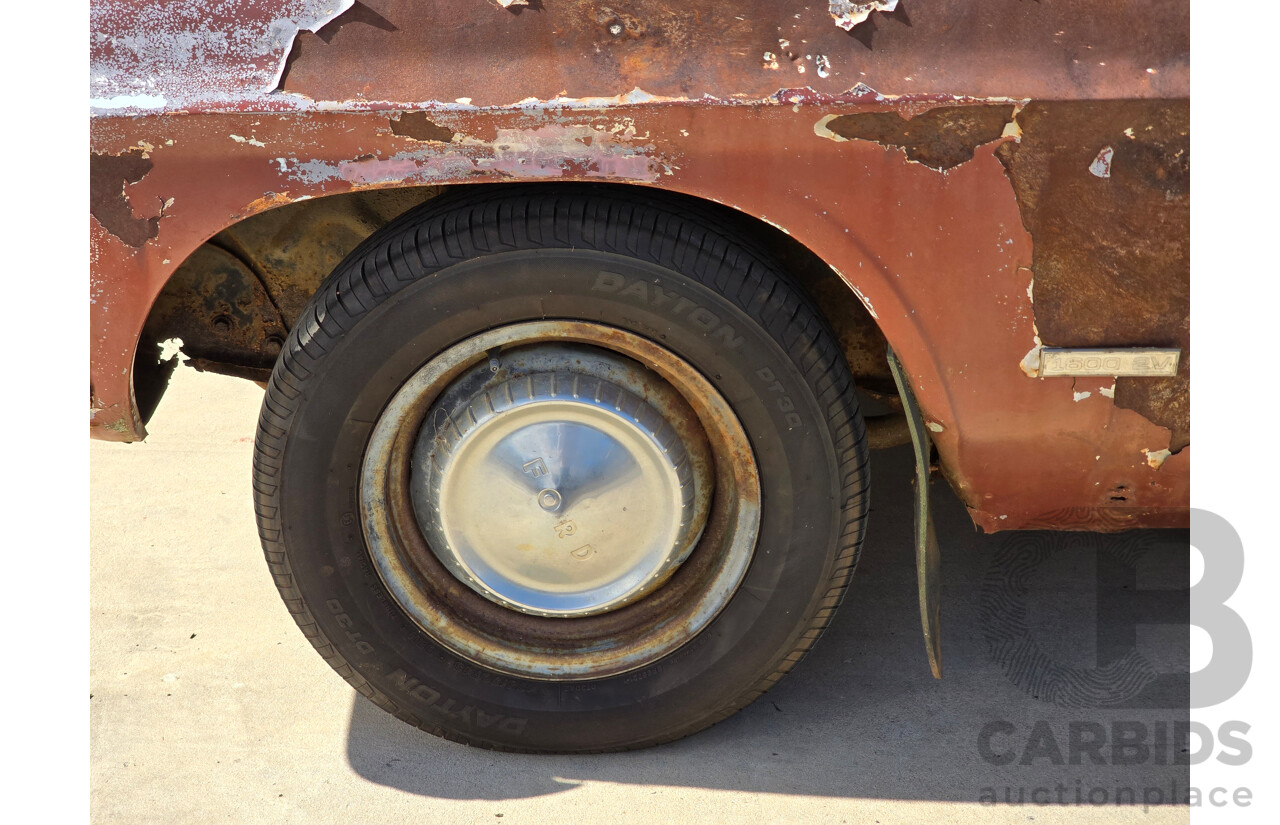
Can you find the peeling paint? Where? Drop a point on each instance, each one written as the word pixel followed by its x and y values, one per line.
pixel 165 56
pixel 270 201
pixel 1107 392
pixel 1030 363
pixel 1156 458
pixel 417 126
pixel 820 129
pixel 1111 262
pixel 547 152
pixel 335 128
pixel 941 138
pixel 1080 396
pixel 109 177
pixel 934 426
pixel 310 55
pixel 865 301
pixel 848 14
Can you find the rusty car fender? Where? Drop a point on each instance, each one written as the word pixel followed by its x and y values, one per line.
pixel 946 169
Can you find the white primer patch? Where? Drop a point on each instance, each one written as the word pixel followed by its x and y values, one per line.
pixel 104 104
pixel 1101 166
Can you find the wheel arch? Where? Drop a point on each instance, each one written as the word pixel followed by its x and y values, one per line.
pixel 232 300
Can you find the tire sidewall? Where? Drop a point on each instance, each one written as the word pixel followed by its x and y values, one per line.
pixel 352 382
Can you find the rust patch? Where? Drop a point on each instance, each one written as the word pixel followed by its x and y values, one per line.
pixel 308 41
pixel 940 138
pixel 295 246
pixel 109 175
pixel 218 307
pixel 417 126
pixel 271 200
pixel 1111 254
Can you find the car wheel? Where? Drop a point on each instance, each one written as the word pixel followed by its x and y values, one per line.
pixel 560 469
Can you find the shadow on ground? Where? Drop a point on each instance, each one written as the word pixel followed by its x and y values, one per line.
pixel 1053 644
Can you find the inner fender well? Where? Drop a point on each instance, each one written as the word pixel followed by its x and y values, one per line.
pixel 233 300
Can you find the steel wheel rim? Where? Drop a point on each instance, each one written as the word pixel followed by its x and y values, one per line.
pixel 560 485
pixel 611 634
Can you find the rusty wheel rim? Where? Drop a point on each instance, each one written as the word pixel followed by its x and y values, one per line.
pixel 560 479
pixel 706 483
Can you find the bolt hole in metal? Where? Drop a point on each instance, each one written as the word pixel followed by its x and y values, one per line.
pixel 560 499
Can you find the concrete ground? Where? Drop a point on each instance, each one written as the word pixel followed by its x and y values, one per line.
pixel 207 704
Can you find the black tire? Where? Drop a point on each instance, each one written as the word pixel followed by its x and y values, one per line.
pixel 479 258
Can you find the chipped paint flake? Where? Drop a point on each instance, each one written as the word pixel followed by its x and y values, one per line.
pixel 1030 363
pixel 848 14
pixel 1156 458
pixel 863 90
pixel 863 298
pixel 770 60
pixel 865 302
pixel 1101 166
pixel 249 140
pixel 820 129
pixel 934 426
pixel 1080 396
pixel 1107 392
pixel 823 65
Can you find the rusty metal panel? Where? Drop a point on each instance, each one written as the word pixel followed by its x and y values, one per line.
pixel 298 54
pixel 933 163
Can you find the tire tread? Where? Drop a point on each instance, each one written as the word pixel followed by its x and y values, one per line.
pixel 482 220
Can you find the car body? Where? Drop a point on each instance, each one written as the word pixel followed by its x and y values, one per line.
pixel 973 233
pixel 996 195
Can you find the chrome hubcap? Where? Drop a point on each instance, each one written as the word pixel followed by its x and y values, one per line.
pixel 559 500
pixel 559 491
